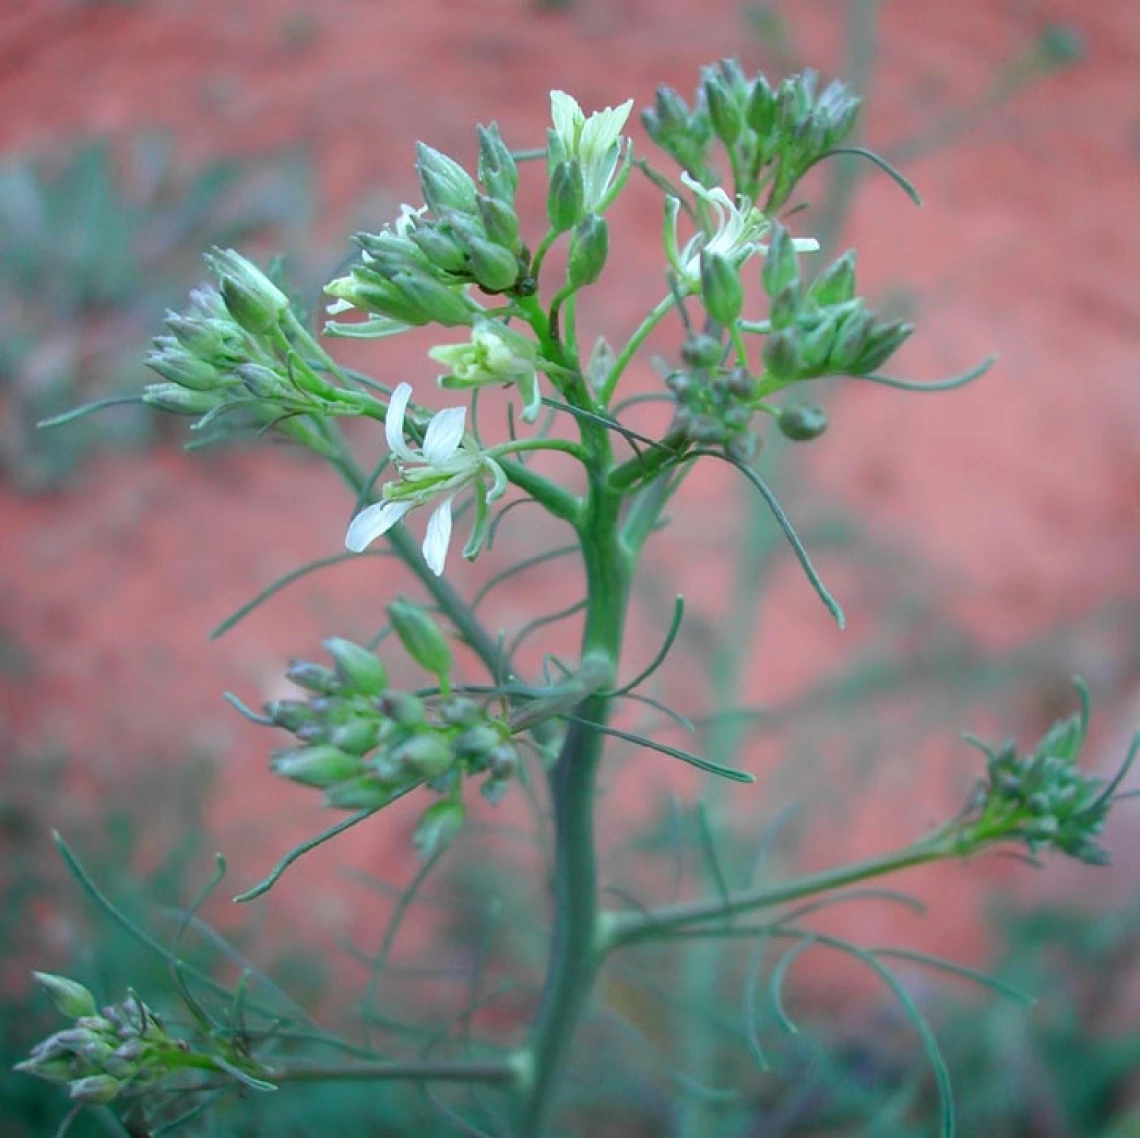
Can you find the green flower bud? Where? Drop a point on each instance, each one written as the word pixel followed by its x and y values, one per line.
pixel 313 677
pixel 668 117
pixel 403 708
pixel 724 112
pixel 801 422
pixel 760 111
pixel 721 288
pixel 432 301
pixel 440 249
pixel 477 742
pixel 357 669
pixel 785 308
pixel 438 827
pixel 251 298
pixel 882 343
pixel 445 184
pixel 360 793
pixel 503 762
pixel 356 736
pixel 818 340
pixel 589 248
pixel 262 382
pixel 321 766
pixel 836 284
pixel 781 266
pixel 783 355
pixel 95 1090
pixel 494 268
pixel 421 637
pixel 179 400
pixel 701 351
pixel 459 711
pixel 566 195
pixel 424 756
pixel 179 367
pixel 69 997
pixel 850 341
pixel 496 165
pixel 501 222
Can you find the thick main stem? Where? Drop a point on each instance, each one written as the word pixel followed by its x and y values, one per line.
pixel 576 952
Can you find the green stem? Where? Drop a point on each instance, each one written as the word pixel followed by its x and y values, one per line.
pixel 655 316
pixel 575 952
pixel 621 929
pixel 504 1074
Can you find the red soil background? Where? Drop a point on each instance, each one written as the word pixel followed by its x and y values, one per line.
pixel 1022 492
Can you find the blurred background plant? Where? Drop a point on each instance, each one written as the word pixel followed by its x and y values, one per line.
pixel 95 242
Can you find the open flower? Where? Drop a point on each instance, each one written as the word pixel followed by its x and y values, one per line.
pixel 594 141
pixel 444 465
pixel 495 354
pixel 740 229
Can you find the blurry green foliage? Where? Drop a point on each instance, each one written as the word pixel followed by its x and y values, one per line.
pixel 94 244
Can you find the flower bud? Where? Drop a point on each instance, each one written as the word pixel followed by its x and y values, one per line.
pixel 95 1090
pixel 566 195
pixel 438 827
pixel 313 677
pixel 459 711
pixel 251 298
pixel 356 736
pixel 500 221
pixel 421 637
pixel 69 997
pixel 360 793
pixel 496 165
pixel 179 400
pixel 850 341
pixel 801 422
pixel 431 301
pixel 700 350
pixel 445 184
pixel 322 765
pixel 724 112
pixel 589 248
pixel 403 708
pixel 781 267
pixel 477 742
pixel 424 756
pixel 494 268
pixel 785 308
pixel 721 289
pixel 261 382
pixel 668 117
pixel 760 110
pixel 836 284
pixel 439 247
pixel 357 669
pixel 179 367
pixel 783 355
pixel 882 343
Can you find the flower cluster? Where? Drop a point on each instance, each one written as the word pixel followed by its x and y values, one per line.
pixel 1042 798
pixel 823 329
pixel 418 270
pixel 773 137
pixel 233 354
pixel 445 464
pixel 714 404
pixel 366 744
pixel 118 1051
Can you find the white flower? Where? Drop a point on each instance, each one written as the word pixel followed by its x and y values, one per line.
pixel 443 466
pixel 740 227
pixel 495 354
pixel 595 141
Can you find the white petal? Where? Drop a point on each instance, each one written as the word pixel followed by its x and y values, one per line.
pixel 444 434
pixel 438 538
pixel 805 244
pixel 394 422
pixel 568 118
pixel 498 480
pixel 372 522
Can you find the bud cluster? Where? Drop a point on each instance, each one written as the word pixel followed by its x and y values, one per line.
pixel 714 403
pixel 1041 798
pixel 823 328
pixel 365 744
pixel 231 354
pixel 772 136
pixel 416 271
pixel 121 1050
